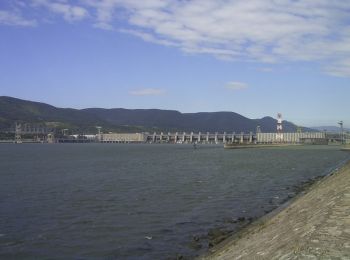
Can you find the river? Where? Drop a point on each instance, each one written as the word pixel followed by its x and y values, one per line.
pixel 141 201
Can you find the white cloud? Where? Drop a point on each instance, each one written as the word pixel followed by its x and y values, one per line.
pixel 146 37
pixel 104 26
pixel 270 31
pixel 235 85
pixel 69 12
pixel 147 92
pixel 339 68
pixel 15 19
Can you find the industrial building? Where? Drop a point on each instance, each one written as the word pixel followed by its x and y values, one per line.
pixel 122 138
pixel 190 137
pixel 307 137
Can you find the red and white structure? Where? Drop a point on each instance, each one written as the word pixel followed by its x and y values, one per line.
pixel 279 134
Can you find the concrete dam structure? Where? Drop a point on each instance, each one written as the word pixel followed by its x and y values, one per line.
pixel 307 137
pixel 177 137
pixel 214 138
pixel 279 137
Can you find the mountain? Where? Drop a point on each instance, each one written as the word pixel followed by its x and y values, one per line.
pixel 174 120
pixel 17 110
pixel 129 120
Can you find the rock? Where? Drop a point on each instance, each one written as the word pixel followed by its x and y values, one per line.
pixel 231 220
pixel 220 239
pixel 195 238
pixel 217 240
pixel 217 235
pixel 241 219
pixel 195 245
pixel 215 232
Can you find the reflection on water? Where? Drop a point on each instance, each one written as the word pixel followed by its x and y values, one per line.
pixel 141 201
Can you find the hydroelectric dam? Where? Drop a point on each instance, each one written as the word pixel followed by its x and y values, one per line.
pixel 213 138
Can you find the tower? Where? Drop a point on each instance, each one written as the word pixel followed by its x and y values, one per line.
pixel 64 131
pixel 341 132
pixel 258 129
pixel 18 130
pixel 99 136
pixel 279 134
pixel 50 138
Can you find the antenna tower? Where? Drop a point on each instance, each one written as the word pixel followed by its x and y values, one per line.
pixel 341 131
pixel 279 135
pixel 64 131
pixel 99 136
pixel 18 130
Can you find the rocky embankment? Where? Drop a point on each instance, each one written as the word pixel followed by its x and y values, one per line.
pixel 316 225
pixel 232 226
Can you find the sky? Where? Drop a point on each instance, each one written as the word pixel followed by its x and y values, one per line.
pixel 255 58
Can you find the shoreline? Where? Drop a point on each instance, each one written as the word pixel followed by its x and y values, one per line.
pixel 245 240
pixel 245 146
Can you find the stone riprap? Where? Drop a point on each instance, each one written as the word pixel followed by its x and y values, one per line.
pixel 316 225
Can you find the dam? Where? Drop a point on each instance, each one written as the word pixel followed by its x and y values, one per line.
pixel 213 138
pixel 49 135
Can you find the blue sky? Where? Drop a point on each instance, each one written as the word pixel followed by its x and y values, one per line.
pixel 254 57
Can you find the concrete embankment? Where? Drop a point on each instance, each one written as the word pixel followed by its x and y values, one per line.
pixel 346 148
pixel 243 146
pixel 316 225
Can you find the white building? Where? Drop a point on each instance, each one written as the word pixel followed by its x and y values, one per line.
pixel 123 138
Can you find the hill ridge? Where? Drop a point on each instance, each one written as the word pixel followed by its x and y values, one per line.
pixel 129 120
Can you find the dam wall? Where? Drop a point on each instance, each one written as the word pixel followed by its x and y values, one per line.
pixel 289 137
pixel 191 137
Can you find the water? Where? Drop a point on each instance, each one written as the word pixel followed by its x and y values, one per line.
pixel 114 201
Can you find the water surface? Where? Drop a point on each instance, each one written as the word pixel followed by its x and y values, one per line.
pixel 116 201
